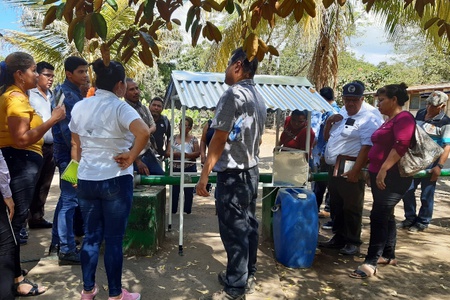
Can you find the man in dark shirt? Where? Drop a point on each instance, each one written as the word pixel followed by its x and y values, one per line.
pixel 161 136
pixel 63 223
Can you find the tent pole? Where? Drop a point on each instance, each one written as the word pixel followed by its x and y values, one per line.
pixel 172 121
pixel 181 196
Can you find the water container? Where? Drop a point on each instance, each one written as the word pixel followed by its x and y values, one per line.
pixel 295 227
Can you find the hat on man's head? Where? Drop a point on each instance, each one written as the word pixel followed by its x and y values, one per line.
pixel 437 98
pixel 353 89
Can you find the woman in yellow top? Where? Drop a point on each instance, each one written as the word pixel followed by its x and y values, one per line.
pixel 21 132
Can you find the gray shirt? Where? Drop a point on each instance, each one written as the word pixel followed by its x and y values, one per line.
pixel 242 112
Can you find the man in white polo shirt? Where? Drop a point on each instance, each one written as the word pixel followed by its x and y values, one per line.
pixel 40 100
pixel 349 137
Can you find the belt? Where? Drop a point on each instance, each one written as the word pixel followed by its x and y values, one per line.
pixel 236 171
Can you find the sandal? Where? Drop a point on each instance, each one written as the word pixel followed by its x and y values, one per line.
pixel 364 271
pixel 34 291
pixel 387 261
pixel 25 272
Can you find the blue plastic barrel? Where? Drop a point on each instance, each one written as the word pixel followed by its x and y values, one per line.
pixel 295 227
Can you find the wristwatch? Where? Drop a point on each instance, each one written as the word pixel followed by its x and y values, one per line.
pixel 441 166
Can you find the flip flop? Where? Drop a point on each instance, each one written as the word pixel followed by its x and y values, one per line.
pixel 34 291
pixel 363 272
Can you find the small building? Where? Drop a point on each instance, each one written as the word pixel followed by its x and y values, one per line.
pixel 419 93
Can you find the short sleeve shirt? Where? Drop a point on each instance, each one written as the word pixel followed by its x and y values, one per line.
pixel 241 111
pixel 102 123
pixel 350 134
pixel 17 105
pixel 438 128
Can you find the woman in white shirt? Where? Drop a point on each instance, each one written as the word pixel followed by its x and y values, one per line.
pixel 103 129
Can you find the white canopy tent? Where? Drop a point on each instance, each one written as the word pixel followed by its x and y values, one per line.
pixel 196 90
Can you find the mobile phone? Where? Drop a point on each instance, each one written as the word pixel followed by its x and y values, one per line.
pixel 350 122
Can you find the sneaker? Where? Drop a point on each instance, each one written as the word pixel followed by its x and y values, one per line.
pixel 222 295
pixel 333 243
pixel 349 249
pixel 324 214
pixel 417 227
pixel 72 258
pixel 328 225
pixel 405 224
pixel 89 295
pixel 250 287
pixel 126 295
pixel 23 233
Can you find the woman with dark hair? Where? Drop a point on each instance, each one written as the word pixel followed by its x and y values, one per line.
pixel 103 129
pixel 390 143
pixel 191 152
pixel 21 132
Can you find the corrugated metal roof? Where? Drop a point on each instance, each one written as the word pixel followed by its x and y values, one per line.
pixel 197 90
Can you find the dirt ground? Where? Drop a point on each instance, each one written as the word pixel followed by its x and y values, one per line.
pixel 423 271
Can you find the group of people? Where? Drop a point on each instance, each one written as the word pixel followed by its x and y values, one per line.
pixel 358 138
pixel 41 129
pixel 111 138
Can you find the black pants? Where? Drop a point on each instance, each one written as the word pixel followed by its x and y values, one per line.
pixel 383 231
pixel 236 194
pixel 346 203
pixel 7 252
pixel 23 168
pixel 188 193
pixel 43 184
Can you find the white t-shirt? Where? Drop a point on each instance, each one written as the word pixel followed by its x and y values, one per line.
pixel 43 108
pixel 365 105
pixel 350 134
pixel 102 122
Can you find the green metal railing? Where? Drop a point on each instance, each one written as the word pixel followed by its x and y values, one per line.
pixel 263 178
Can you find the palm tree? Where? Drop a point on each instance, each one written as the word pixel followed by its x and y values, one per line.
pixel 435 19
pixel 334 23
pixel 51 44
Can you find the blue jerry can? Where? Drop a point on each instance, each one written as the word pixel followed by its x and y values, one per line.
pixel 295 227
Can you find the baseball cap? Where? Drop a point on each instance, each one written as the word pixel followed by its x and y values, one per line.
pixel 437 98
pixel 353 89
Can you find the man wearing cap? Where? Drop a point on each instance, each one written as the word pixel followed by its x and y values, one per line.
pixel 349 137
pixel 437 124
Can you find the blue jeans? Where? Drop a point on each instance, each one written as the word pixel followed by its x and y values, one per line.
pixel 152 163
pixel 383 230
pixel 427 188
pixel 236 194
pixel 64 215
pixel 23 168
pixel 105 206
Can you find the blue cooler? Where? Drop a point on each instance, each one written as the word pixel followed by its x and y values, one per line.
pixel 295 227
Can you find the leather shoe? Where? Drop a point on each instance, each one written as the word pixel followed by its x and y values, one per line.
pixel 332 243
pixel 37 224
pixel 349 249
pixel 72 258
